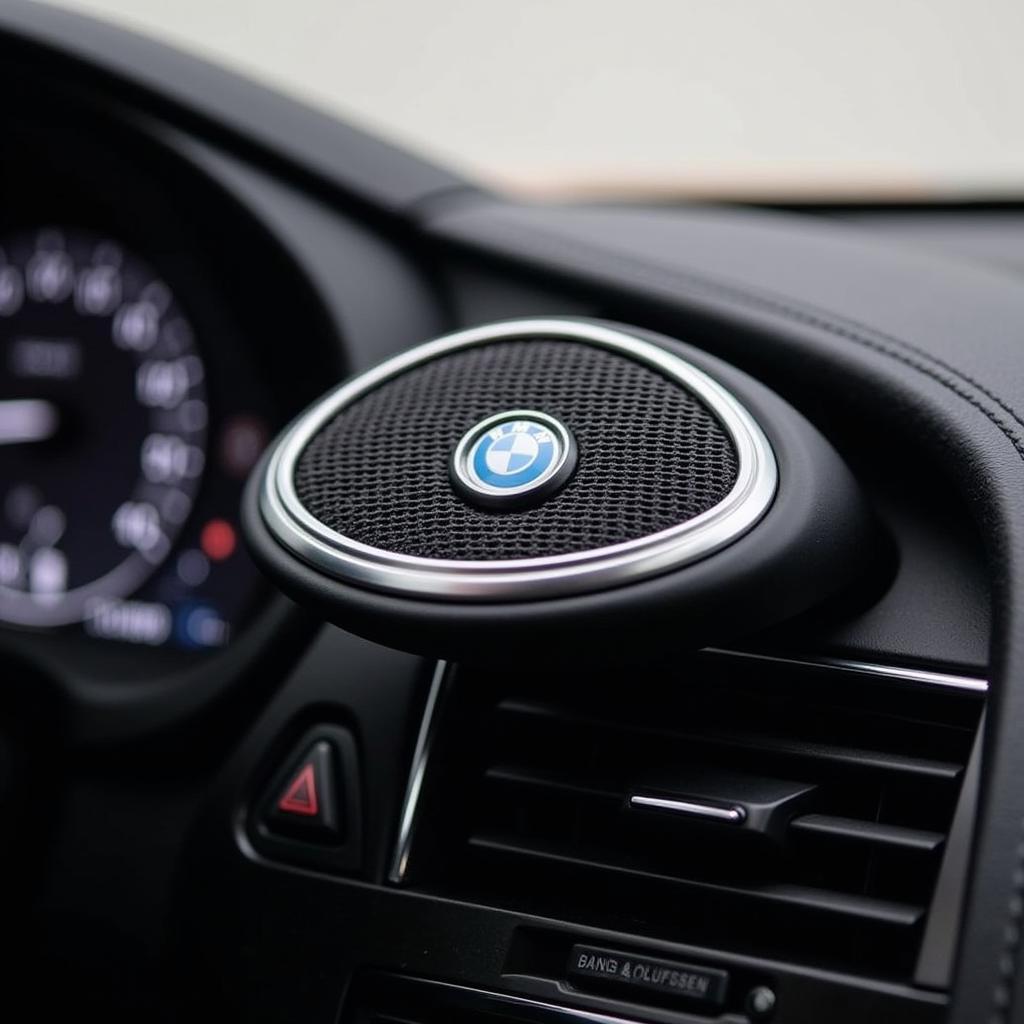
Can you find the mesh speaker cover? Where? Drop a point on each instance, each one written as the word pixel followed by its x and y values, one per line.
pixel 651 454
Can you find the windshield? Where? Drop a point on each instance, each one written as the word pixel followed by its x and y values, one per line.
pixel 784 100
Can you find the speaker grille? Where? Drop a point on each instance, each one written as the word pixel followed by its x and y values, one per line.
pixel 651 454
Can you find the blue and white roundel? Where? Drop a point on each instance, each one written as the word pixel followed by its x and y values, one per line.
pixel 511 455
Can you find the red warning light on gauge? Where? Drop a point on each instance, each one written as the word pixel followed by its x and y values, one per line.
pixel 218 540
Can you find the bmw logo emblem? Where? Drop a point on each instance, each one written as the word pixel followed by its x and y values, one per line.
pixel 513 459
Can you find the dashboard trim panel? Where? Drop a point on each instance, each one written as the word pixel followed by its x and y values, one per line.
pixel 895 673
pixel 414 787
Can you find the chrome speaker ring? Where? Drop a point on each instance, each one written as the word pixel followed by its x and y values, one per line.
pixel 349 561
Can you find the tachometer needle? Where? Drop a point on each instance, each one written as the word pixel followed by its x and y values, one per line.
pixel 27 420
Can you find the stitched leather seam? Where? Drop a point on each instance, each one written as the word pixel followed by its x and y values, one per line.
pixel 856 331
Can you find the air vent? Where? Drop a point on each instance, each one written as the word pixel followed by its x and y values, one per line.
pixel 735 804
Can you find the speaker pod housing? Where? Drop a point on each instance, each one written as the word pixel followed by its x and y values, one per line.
pixel 801 533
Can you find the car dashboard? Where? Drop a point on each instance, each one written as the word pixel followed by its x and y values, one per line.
pixel 224 803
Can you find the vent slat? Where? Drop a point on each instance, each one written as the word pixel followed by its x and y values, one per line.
pixel 537 780
pixel 888 912
pixel 867 759
pixel 895 836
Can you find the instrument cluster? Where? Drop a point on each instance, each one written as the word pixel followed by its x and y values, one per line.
pixel 149 330
pixel 118 489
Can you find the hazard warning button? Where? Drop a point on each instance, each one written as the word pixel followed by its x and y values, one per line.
pixel 306 808
pixel 306 800
pixel 301 795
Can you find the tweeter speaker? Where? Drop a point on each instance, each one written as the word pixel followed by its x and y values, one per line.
pixel 570 485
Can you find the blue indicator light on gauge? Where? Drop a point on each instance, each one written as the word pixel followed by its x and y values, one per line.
pixel 200 625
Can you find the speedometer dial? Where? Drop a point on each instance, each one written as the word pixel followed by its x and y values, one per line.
pixel 103 420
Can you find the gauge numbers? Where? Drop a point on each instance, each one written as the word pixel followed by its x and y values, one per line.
pixel 103 421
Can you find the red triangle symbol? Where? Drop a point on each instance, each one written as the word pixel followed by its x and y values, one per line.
pixel 300 796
